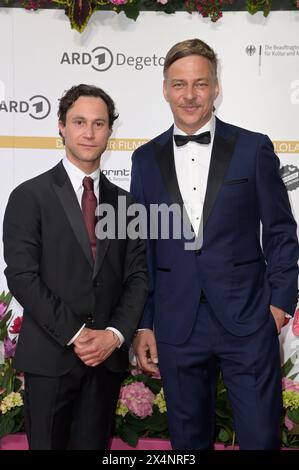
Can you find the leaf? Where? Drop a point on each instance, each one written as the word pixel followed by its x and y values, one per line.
pixel 288 366
pixel 79 12
pixel 224 435
pixel 4 322
pixel 129 436
pixel 131 10
pixel 154 384
pixel 139 424
pixel 157 422
pixel 293 415
pixel 6 424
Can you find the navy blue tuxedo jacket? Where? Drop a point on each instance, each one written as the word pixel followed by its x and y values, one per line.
pixel 248 258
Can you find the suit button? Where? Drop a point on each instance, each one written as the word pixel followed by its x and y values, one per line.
pixel 198 252
pixel 89 320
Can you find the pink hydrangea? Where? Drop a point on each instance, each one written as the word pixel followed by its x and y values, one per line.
pixel 138 399
pixel 163 2
pixel 289 384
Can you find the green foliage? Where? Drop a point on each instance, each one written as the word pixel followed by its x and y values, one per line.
pixel 79 12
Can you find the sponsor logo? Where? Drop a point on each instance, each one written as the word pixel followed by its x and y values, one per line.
pixel 250 50
pixel 286 146
pixel 37 107
pixel 102 59
pixel 290 176
pixel 117 175
pixel 282 50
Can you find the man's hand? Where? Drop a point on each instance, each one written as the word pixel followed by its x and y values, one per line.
pixel 145 349
pixel 279 317
pixel 94 346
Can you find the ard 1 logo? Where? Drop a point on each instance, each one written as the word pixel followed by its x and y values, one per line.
pixel 37 107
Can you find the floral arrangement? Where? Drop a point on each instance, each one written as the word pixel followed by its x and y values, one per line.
pixel 290 396
pixel 141 408
pixel 80 11
pixel 11 393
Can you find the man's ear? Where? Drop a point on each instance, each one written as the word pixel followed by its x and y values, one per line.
pixel 165 90
pixel 61 127
pixel 217 90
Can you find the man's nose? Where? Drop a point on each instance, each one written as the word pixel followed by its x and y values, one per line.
pixel 89 131
pixel 190 92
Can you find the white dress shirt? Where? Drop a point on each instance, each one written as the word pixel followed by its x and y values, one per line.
pixel 76 177
pixel 192 163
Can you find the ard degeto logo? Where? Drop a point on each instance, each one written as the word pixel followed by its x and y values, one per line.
pixel 37 107
pixel 40 107
pixel 250 50
pixel 290 176
pixel 101 58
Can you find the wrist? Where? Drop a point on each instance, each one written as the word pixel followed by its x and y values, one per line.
pixel 115 337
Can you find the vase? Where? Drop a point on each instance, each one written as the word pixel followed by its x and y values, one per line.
pixel 16 441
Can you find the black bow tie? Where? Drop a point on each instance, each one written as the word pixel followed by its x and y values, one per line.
pixel 204 138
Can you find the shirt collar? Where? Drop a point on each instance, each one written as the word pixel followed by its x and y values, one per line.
pixel 76 175
pixel 209 126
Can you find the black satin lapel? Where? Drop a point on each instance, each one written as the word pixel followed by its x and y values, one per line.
pixel 165 159
pixel 73 213
pixel 108 195
pixel 221 155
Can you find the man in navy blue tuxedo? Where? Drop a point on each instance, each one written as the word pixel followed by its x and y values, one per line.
pixel 222 303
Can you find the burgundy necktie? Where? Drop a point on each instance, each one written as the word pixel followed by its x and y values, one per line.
pixel 89 204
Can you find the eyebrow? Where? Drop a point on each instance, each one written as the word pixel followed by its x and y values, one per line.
pixel 200 79
pixel 83 118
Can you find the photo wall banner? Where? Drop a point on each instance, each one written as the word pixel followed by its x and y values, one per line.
pixel 41 57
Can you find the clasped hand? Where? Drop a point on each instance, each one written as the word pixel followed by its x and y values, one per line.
pixel 94 346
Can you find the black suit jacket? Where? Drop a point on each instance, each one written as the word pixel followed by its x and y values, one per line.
pixel 51 272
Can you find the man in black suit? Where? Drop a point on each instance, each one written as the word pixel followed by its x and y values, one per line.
pixel 82 296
